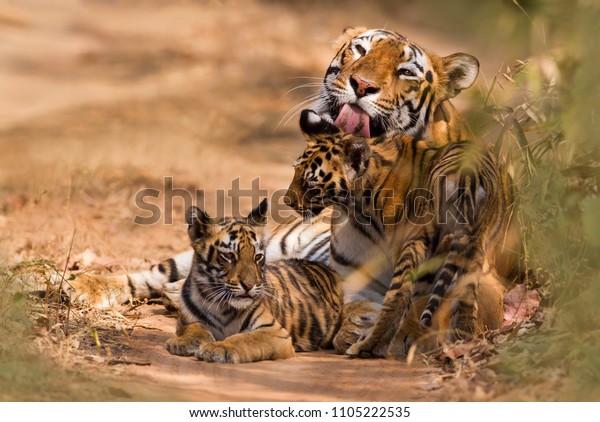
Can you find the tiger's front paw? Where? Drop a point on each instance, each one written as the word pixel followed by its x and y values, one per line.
pixel 368 348
pixel 219 352
pixel 182 346
pixel 353 329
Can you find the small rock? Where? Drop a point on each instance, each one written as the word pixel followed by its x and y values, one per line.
pixel 433 385
pixel 95 359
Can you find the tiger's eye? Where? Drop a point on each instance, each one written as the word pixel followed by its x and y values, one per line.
pixel 406 72
pixel 227 256
pixel 259 257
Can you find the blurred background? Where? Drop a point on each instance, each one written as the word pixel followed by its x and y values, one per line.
pixel 102 98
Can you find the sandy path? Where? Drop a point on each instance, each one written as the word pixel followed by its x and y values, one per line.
pixel 319 376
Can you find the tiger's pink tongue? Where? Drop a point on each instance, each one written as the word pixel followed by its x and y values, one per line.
pixel 353 120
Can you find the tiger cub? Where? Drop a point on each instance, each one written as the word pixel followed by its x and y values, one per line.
pixel 236 308
pixel 426 220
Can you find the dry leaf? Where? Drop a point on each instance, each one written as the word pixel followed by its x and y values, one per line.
pixel 433 385
pixel 456 351
pixel 520 304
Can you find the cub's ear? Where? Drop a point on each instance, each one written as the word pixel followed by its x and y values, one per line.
pixel 199 224
pixel 313 124
pixel 461 71
pixel 258 216
pixel 358 153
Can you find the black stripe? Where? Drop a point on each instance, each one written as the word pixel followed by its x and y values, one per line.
pixel 211 253
pixel 341 259
pixel 174 275
pixel 433 303
pixel 284 238
pixel 422 101
pixel 315 334
pixel 317 247
pixel 397 284
pixel 270 324
pixel 361 226
pixel 302 322
pixel 193 308
pixel 248 319
pixel 429 108
pixel 153 293
pixel 131 286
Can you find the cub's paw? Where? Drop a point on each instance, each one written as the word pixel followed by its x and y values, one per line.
pixel 347 336
pixel 218 352
pixel 368 348
pixel 182 346
pixel 353 329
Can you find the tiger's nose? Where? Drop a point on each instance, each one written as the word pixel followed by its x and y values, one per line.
pixel 247 286
pixel 362 87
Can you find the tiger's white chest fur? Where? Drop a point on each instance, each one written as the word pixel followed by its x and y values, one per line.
pixel 363 262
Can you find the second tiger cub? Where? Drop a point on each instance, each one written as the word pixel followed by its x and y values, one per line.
pixel 237 308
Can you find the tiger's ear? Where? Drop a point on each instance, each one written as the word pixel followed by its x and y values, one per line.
pixel 358 153
pixel 347 34
pixel 461 71
pixel 258 216
pixel 313 124
pixel 199 224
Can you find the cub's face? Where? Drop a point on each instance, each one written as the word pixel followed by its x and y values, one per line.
pixel 230 253
pixel 326 171
pixel 379 83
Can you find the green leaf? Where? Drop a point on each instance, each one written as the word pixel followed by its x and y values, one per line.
pixel 19 299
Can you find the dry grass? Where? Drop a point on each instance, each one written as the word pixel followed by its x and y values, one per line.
pixel 47 367
pixel 542 115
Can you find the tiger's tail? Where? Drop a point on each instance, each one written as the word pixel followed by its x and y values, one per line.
pixel 465 256
pixel 102 291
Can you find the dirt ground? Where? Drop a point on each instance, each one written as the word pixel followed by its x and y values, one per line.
pixel 101 99
pixel 145 368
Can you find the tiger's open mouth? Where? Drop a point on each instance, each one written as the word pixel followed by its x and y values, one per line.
pixel 353 120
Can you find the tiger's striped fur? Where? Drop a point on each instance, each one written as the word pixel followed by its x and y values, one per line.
pixel 408 88
pixel 415 105
pixel 296 237
pixel 237 308
pixel 408 85
pixel 426 219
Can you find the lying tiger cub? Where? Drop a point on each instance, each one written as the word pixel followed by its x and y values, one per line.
pixel 236 308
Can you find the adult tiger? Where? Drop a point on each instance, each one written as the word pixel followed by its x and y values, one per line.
pixel 426 219
pixel 380 83
pixel 377 83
